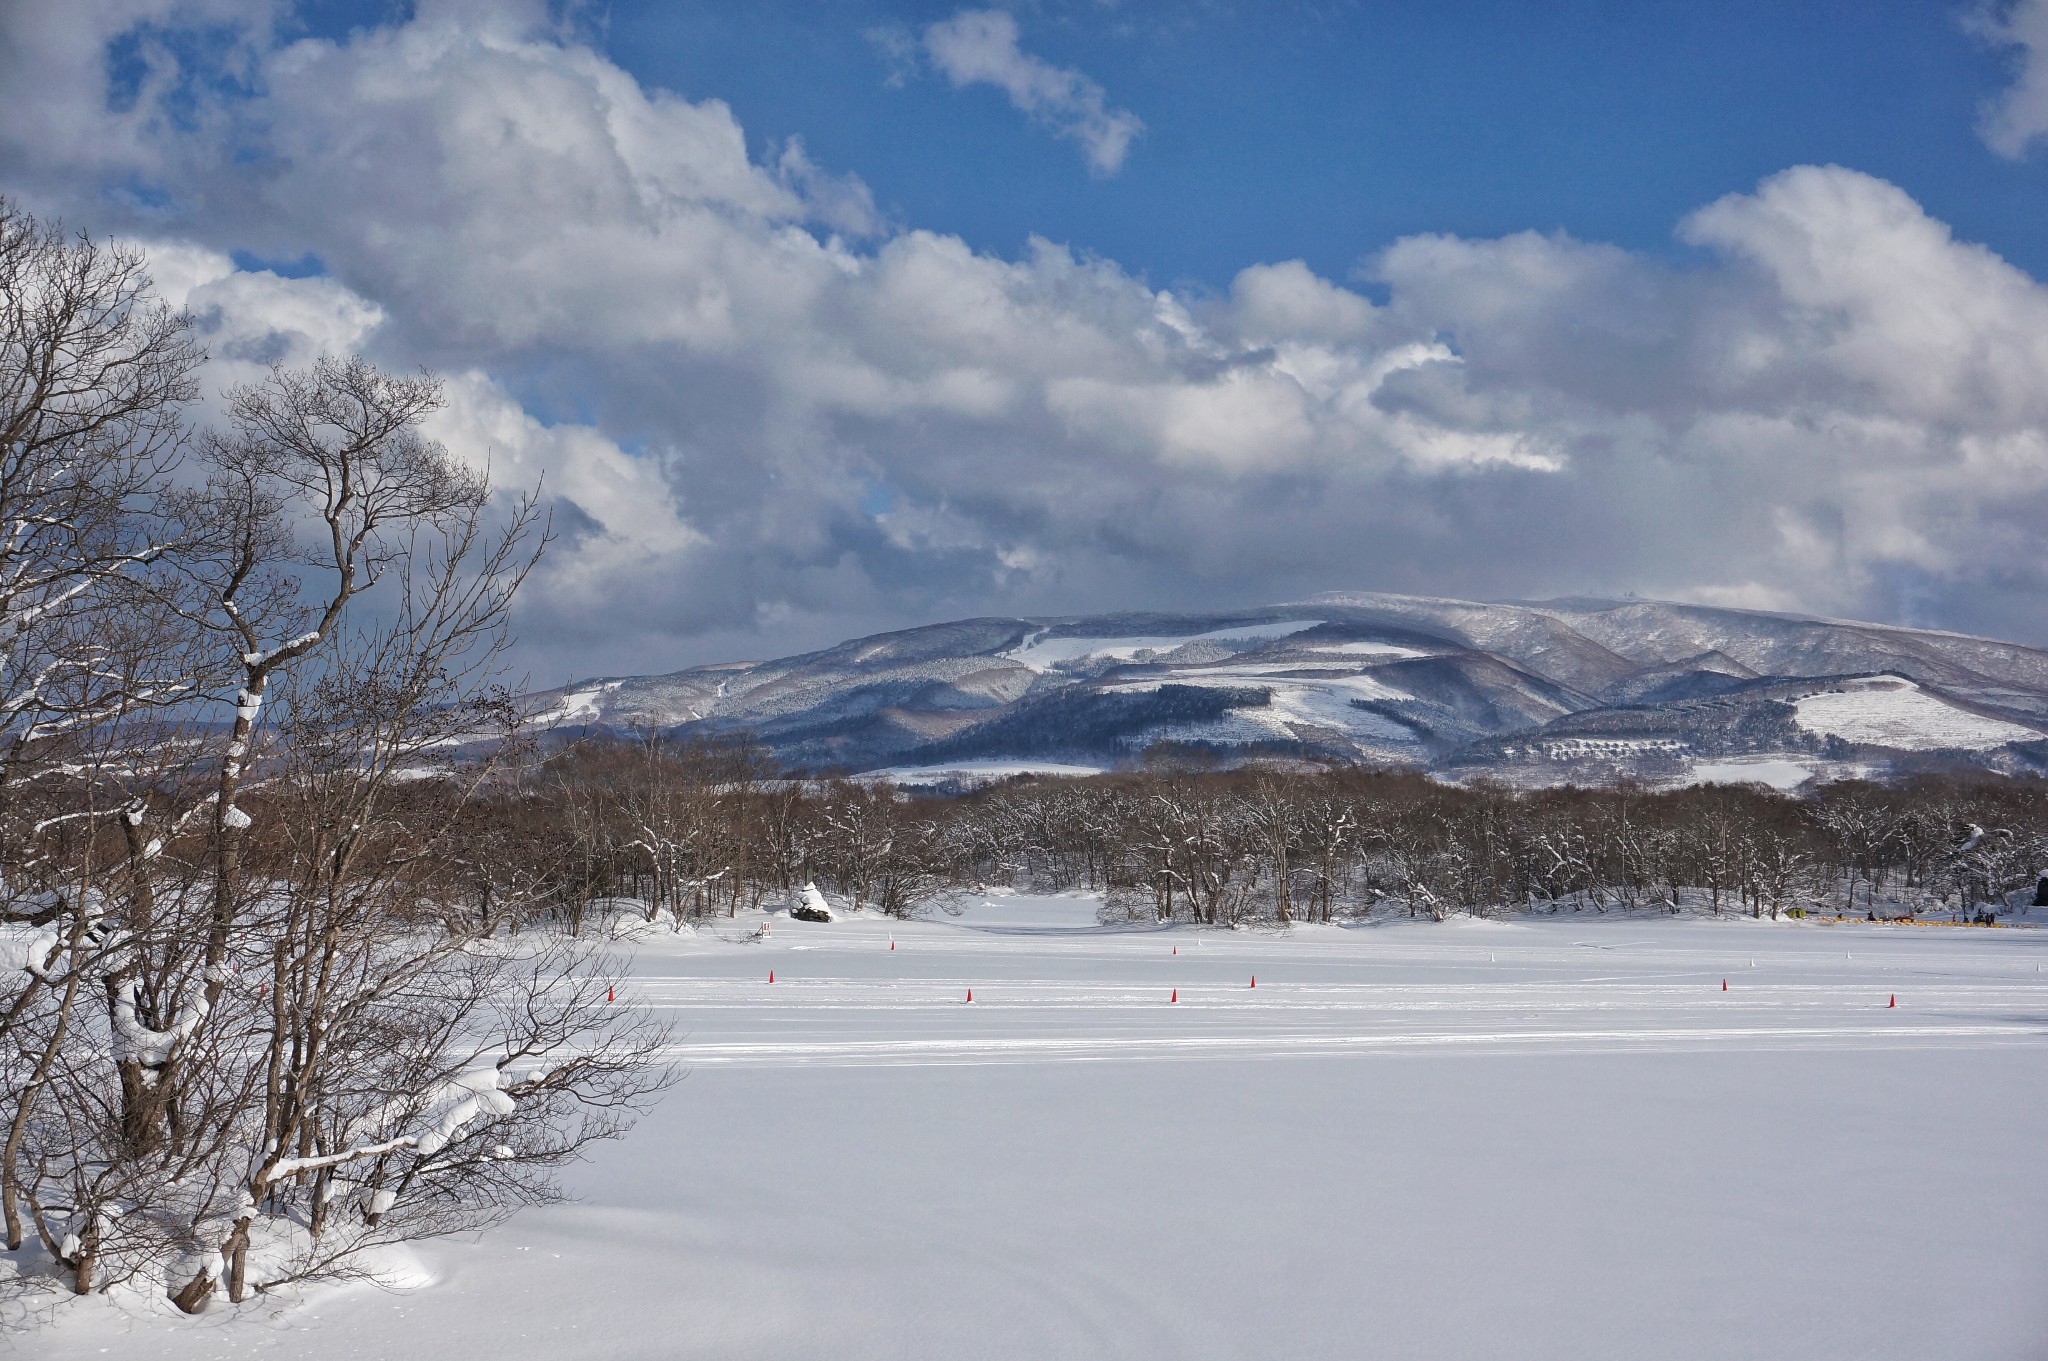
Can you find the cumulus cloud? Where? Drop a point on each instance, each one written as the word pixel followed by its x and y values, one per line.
pixel 980 47
pixel 2014 121
pixel 771 420
pixel 250 318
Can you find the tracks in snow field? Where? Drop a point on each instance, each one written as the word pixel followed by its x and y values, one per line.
pixel 856 1022
pixel 1050 989
pixel 1104 1048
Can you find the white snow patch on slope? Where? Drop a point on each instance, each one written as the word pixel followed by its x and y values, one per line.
pixel 1894 712
pixel 1292 665
pixel 1778 772
pixel 580 706
pixel 1392 651
pixel 1041 653
pixel 1327 704
pixel 974 772
pixel 1295 700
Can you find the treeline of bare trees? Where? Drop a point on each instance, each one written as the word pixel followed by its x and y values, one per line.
pixel 659 830
pixel 258 1012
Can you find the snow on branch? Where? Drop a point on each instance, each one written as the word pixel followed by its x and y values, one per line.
pixel 448 1108
pixel 265 658
pixel 135 1042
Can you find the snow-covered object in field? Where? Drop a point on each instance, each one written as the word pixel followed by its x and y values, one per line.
pixel 810 906
pixel 1890 711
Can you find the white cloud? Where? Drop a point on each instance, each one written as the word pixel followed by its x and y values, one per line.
pixel 979 47
pixel 248 320
pixel 1936 329
pixel 623 520
pixel 773 421
pixel 2017 118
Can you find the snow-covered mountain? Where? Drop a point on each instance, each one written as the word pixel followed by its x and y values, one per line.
pixel 1534 692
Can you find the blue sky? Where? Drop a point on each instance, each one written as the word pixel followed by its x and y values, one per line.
pixel 1322 131
pixel 822 317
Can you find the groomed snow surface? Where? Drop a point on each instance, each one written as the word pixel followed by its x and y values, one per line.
pixel 1556 1138
pixel 1891 712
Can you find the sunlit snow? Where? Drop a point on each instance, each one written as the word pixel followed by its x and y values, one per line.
pixel 1776 772
pixel 1530 1141
pixel 1391 651
pixel 579 706
pixel 1041 653
pixel 1894 712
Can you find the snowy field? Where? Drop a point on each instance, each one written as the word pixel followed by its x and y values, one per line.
pixel 1559 1139
pixel 1893 712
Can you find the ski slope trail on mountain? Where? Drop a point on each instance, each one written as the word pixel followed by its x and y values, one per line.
pixel 1558 1137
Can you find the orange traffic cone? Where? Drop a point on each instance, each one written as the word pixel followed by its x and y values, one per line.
pixel 1724 985
pixel 1175 997
pixel 970 994
pixel 1176 949
pixel 1894 1002
pixel 609 996
pixel 892 945
pixel 771 975
pixel 1255 980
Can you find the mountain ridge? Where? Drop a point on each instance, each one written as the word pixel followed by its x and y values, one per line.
pixel 1578 689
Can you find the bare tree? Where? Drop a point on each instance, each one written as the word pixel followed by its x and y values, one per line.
pixel 270 1019
pixel 324 471
pixel 95 378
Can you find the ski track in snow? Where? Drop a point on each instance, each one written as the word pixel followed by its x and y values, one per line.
pixel 1098 1049
pixel 1137 993
pixel 1038 1019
